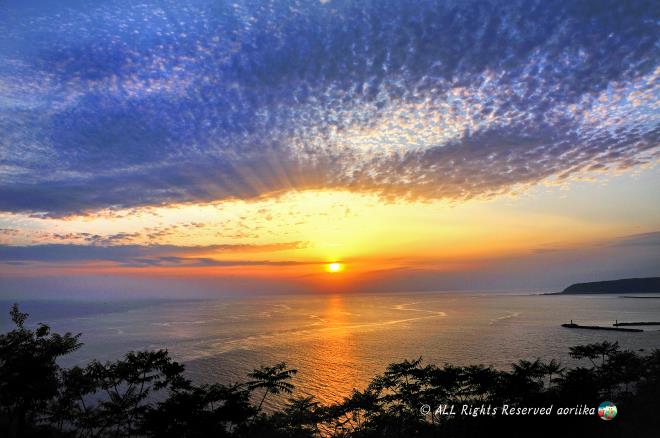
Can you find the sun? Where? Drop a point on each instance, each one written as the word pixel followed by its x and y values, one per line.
pixel 334 267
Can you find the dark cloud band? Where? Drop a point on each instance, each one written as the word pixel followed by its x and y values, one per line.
pixel 141 255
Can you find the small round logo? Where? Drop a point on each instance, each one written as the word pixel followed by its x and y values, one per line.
pixel 607 411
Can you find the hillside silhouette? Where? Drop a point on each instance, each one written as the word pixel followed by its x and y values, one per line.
pixel 623 286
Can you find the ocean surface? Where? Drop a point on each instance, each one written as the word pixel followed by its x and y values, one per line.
pixel 338 342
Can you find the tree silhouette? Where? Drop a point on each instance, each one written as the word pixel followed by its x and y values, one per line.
pixel 199 412
pixel 301 417
pixel 592 351
pixel 551 368
pixel 273 380
pixel 128 382
pixel 28 370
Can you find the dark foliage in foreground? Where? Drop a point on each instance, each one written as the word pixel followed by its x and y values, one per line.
pixel 145 394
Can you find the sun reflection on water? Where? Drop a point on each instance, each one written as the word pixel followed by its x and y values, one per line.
pixel 335 349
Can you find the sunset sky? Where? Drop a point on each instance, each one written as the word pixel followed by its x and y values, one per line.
pixel 206 146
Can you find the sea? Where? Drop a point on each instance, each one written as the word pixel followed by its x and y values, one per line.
pixel 338 342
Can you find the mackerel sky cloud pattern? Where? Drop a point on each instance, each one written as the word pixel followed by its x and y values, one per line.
pixel 125 104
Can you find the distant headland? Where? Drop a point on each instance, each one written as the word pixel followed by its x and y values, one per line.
pixel 623 286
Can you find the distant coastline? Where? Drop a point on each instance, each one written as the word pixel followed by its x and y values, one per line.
pixel 642 298
pixel 626 285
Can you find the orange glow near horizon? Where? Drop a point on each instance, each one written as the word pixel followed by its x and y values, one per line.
pixel 302 237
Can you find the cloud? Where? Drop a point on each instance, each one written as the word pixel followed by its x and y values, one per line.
pixel 651 239
pixel 95 238
pixel 125 104
pixel 142 255
pixel 540 270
